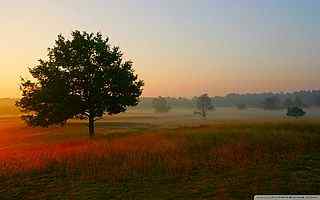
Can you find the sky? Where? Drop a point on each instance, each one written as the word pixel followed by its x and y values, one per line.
pixel 179 47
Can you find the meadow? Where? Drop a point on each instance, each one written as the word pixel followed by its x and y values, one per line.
pixel 232 154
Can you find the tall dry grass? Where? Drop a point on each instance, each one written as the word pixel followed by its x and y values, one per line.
pixel 163 153
pixel 99 158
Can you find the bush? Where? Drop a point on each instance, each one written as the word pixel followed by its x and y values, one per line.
pixel 295 112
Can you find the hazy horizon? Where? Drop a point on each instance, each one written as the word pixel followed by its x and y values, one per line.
pixel 180 48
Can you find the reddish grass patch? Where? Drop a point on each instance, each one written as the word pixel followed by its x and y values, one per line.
pixel 94 158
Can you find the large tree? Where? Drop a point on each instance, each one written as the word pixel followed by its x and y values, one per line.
pixel 83 77
pixel 204 104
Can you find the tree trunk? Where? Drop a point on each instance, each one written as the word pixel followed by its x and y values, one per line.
pixel 203 111
pixel 91 126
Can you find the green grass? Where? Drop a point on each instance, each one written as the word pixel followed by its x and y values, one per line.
pixel 163 158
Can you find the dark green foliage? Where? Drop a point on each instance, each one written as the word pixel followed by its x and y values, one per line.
pixel 160 105
pixel 83 77
pixel 204 104
pixel 295 112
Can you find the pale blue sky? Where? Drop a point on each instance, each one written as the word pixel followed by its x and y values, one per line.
pixel 180 48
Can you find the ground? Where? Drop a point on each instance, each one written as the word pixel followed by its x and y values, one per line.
pixel 232 154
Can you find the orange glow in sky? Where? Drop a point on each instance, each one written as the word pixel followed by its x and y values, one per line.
pixel 216 47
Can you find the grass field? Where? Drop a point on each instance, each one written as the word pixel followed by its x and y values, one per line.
pixel 140 155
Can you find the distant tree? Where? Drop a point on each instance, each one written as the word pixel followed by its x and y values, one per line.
pixel 241 106
pixel 288 103
pixel 295 112
pixel 298 102
pixel 83 77
pixel 272 103
pixel 160 105
pixel 318 100
pixel 204 104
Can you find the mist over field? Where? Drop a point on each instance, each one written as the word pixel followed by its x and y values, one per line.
pixel 225 106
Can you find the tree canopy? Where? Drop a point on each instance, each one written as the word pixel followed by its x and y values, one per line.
pixel 83 77
pixel 204 103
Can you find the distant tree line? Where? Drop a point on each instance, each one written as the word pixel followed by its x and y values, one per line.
pixel 268 101
pixel 282 100
pixel 176 103
pixel 160 105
